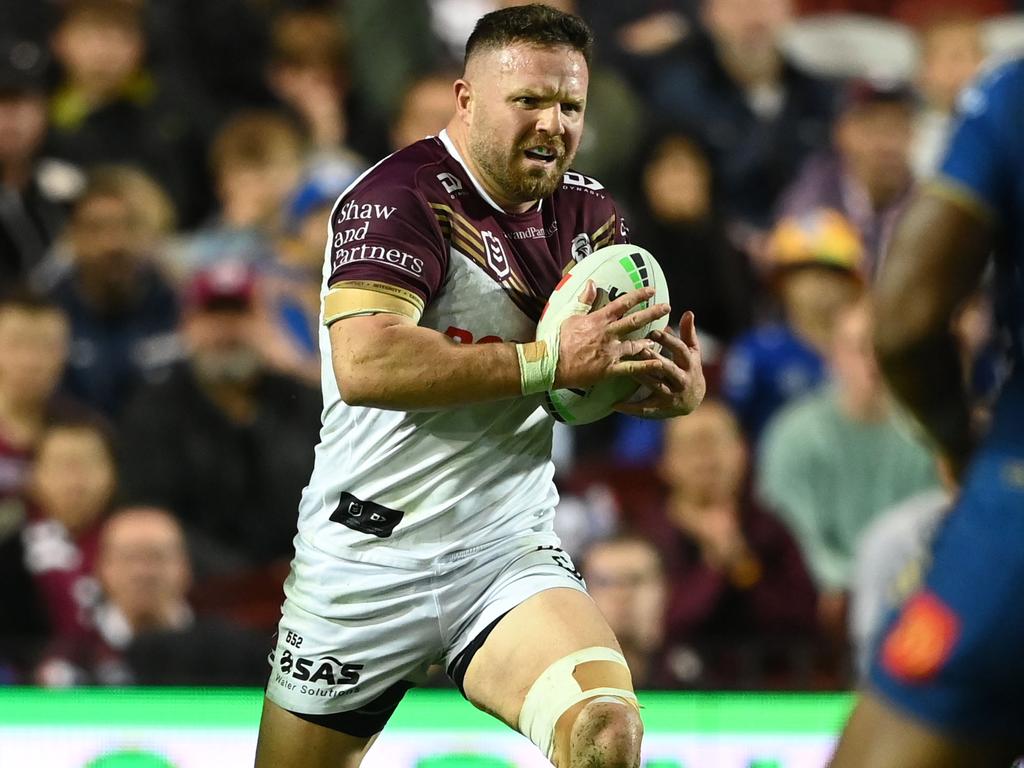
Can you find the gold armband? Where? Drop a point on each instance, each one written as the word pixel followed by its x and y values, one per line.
pixel 350 298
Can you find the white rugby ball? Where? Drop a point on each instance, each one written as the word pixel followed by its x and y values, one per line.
pixel 615 270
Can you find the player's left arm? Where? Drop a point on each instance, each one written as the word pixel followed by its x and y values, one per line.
pixel 677 387
pixel 937 256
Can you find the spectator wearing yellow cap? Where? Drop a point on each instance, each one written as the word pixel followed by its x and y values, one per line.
pixel 816 272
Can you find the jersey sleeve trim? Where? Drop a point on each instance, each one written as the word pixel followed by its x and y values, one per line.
pixel 348 298
pixel 961 195
pixel 605 234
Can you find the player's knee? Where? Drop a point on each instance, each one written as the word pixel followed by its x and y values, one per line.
pixel 607 734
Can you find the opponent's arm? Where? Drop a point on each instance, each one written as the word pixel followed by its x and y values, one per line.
pixel 936 259
pixel 387 361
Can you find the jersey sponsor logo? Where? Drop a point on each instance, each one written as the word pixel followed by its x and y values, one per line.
pixel 450 183
pixel 574 179
pixel 496 255
pixel 922 640
pixel 315 676
pixel 533 233
pixel 377 253
pixel 366 516
pixel 353 209
pixel 530 233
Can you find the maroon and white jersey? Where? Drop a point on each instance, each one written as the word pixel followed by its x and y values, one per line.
pixel 406 487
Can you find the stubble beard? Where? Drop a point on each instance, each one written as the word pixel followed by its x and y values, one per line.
pixel 515 184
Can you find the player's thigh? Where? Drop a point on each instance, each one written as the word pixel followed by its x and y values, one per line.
pixel 547 627
pixel 879 736
pixel 287 741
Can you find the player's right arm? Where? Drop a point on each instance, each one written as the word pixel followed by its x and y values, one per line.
pixel 388 260
pixel 386 360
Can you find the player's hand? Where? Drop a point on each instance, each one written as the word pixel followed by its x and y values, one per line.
pixel 591 345
pixel 677 386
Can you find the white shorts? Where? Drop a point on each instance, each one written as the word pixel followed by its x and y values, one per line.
pixel 355 636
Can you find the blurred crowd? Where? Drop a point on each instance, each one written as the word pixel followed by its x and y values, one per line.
pixel 166 172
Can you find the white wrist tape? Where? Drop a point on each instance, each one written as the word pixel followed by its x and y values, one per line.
pixel 538 361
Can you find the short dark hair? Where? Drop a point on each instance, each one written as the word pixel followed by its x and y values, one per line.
pixel 535 24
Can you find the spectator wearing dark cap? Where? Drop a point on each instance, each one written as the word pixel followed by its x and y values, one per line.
pixel 34 189
pixel 108 108
pixel 123 314
pixel 816 272
pixel 867 175
pixel 223 442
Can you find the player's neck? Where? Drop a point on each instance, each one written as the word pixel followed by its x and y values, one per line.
pixel 459 139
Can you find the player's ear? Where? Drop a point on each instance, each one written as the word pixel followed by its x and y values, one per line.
pixel 463 98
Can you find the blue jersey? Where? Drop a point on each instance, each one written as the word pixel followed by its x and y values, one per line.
pixel 984 169
pixel 951 654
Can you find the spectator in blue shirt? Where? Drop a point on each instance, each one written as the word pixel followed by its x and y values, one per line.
pixel 816 260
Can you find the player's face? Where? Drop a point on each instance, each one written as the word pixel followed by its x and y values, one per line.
pixel 524 113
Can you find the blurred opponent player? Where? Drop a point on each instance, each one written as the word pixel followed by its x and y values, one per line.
pixel 425 534
pixel 947 683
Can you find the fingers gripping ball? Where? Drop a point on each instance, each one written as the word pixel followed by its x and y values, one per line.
pixel 615 270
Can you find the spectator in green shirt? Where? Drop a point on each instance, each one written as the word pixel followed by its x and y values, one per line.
pixel 837 457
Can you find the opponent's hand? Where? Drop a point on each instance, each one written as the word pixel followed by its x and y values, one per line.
pixel 677 386
pixel 591 347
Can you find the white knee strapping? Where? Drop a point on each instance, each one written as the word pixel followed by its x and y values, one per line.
pixel 556 690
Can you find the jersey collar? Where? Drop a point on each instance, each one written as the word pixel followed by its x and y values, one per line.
pixel 450 146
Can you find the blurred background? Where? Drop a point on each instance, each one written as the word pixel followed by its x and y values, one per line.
pixel 166 172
